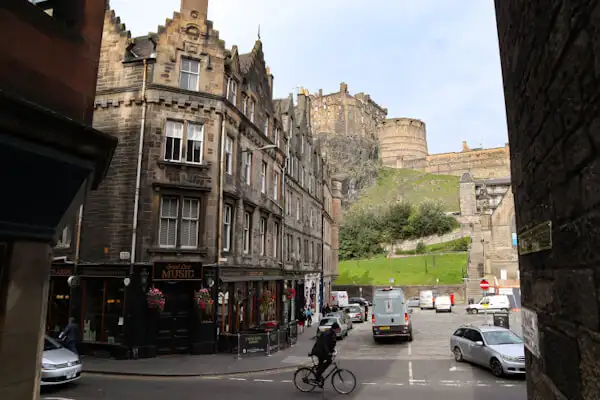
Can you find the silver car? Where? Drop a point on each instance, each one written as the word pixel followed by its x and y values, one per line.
pixel 325 325
pixel 343 316
pixel 493 347
pixel 356 313
pixel 59 365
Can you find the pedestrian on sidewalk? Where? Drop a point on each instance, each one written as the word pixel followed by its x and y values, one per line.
pixel 301 319
pixel 69 335
pixel 327 309
pixel 308 318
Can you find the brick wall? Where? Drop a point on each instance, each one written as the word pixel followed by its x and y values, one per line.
pixel 549 53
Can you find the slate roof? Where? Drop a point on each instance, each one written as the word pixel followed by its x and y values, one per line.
pixel 142 47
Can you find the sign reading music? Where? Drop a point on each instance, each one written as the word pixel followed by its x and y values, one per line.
pixel 165 271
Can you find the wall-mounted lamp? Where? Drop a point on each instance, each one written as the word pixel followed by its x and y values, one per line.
pixel 269 146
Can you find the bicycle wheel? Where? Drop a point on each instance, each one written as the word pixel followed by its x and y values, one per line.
pixel 343 381
pixel 304 379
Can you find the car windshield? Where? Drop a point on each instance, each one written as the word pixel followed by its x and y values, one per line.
pixel 494 338
pixel 327 322
pixel 354 309
pixel 51 344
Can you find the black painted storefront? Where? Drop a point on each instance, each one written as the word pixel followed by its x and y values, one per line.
pixel 59 298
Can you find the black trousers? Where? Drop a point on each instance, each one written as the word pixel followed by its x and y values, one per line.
pixel 323 364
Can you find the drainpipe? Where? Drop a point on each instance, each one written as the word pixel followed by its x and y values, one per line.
pixel 220 221
pixel 78 239
pixel 138 176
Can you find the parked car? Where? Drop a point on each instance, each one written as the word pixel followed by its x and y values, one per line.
pixel 443 304
pixel 391 315
pixel 426 299
pixel 325 325
pixel 364 303
pixel 343 316
pixel 496 302
pixel 356 313
pixel 59 365
pixel 493 347
pixel 414 302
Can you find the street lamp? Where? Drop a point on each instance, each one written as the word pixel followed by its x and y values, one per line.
pixel 269 146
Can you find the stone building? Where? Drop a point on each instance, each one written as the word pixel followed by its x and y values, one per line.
pixel 487 214
pixel 50 158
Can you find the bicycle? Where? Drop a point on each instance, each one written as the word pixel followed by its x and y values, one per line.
pixel 308 376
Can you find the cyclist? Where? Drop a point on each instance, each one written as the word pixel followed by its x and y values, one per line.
pixel 324 349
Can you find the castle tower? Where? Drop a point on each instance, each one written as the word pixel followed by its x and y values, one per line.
pixel 402 139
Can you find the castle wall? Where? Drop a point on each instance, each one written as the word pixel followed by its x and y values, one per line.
pixel 487 163
pixel 400 140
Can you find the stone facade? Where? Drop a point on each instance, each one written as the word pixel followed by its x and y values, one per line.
pixel 549 64
pixel 400 140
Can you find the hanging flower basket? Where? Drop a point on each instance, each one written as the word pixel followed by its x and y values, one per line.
pixel 204 300
pixel 156 299
pixel 290 293
pixel 266 300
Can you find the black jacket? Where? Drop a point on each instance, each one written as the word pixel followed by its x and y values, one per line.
pixel 325 345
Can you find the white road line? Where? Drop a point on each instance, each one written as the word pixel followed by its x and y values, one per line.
pixel 395 384
pixel 410 371
pixel 508 385
pixel 417 380
pixel 286 381
pixel 237 379
pixel 482 384
pixel 263 380
pixel 450 381
pixel 368 383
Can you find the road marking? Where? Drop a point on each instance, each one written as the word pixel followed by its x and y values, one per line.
pixel 237 379
pixel 508 385
pixel 263 380
pixel 286 381
pixel 369 383
pixel 410 371
pixel 395 384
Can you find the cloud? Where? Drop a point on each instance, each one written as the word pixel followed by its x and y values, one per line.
pixel 428 59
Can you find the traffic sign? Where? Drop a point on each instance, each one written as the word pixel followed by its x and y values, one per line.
pixel 484 284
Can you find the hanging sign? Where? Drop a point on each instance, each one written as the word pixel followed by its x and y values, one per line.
pixel 165 271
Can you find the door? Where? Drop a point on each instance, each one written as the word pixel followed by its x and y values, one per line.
pixel 173 334
pixel 477 354
pixel 388 311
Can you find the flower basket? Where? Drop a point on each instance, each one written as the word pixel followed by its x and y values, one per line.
pixel 156 299
pixel 204 300
pixel 290 293
pixel 266 300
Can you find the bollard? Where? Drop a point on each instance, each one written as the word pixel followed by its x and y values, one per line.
pixel 268 343
pixel 239 355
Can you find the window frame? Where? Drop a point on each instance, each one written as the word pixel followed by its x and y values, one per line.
pixel 180 199
pixel 182 218
pixel 275 236
pixel 229 155
pixel 232 87
pixel 228 218
pixel 276 178
pixel 247 229
pixel 187 141
pixel 263 236
pixel 264 169
pixel 248 168
pixel 161 217
pixel 190 72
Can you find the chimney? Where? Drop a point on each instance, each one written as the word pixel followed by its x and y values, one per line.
pixel 320 92
pixel 343 88
pixel 194 9
pixel 465 146
pixel 270 80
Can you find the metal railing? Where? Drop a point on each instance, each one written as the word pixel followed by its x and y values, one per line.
pixel 266 343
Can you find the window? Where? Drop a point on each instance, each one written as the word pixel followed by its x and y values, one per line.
pixel 298 209
pixel 103 308
pixel 275 185
pixel 301 176
pixel 301 144
pixel 247 219
pixel 290 127
pixel 275 239
pixel 248 167
pixel 245 106
pixel 306 250
pixel 251 109
pixel 190 222
pixel 189 74
pixel 195 136
pixel 290 246
pixel 227 232
pixel 288 203
pixel 276 138
pixel 64 240
pixel 174 134
pixel 298 248
pixel 229 155
pixel 311 252
pixel 169 216
pixel 267 122
pixel 263 236
pixel 232 91
pixel 263 177
pixel 311 222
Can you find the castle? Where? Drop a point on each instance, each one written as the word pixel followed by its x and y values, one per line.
pixel 402 142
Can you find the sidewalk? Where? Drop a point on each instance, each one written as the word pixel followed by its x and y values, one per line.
pixel 203 365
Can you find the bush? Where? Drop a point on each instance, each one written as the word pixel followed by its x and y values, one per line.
pixel 420 249
pixel 461 244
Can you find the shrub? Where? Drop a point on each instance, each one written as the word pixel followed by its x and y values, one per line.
pixel 420 249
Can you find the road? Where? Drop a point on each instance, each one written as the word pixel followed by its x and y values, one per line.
pixel 422 369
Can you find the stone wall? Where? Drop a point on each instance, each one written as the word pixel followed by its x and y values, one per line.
pixel 409 291
pixel 549 53
pixel 429 240
pixel 401 139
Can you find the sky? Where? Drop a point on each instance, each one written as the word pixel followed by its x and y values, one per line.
pixel 434 60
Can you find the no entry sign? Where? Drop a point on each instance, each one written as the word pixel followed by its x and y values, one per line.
pixel 484 284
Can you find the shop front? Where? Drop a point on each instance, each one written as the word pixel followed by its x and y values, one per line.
pixel 312 284
pixel 185 321
pixel 59 298
pixel 99 308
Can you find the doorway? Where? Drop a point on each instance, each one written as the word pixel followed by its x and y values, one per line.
pixel 174 324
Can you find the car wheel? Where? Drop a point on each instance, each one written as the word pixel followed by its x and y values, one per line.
pixel 410 338
pixel 458 356
pixel 496 368
pixel 475 311
pixel 421 308
pixel 505 310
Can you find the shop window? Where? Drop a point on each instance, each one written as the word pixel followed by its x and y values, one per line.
pixel 102 310
pixel 58 305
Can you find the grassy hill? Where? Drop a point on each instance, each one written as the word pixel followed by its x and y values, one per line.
pixel 417 270
pixel 413 186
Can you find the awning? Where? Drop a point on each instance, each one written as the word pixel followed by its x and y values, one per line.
pixel 246 278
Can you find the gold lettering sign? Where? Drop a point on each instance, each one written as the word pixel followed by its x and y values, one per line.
pixel 175 272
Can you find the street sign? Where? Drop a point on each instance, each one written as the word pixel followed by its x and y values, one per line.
pixel 484 284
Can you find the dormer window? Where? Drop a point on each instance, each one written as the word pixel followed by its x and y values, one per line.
pixel 232 91
pixel 189 74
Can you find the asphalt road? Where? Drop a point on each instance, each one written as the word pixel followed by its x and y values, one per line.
pixel 423 369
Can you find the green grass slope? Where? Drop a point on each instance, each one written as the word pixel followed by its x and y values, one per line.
pixel 413 186
pixel 416 270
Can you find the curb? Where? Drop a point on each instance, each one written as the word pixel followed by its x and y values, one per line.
pixel 199 375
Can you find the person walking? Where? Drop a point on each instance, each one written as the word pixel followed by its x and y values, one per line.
pixel 70 335
pixel 308 318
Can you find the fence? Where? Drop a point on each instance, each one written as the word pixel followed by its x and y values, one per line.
pixel 267 343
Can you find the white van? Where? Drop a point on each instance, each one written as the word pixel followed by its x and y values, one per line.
pixel 443 303
pixel 495 302
pixel 426 299
pixel 339 298
pixel 391 316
